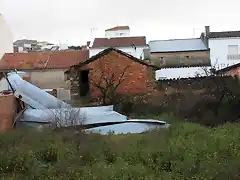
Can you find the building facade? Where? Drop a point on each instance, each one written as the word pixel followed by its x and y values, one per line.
pixel 44 69
pixel 119 31
pixel 178 53
pixel 224 48
pixel 111 66
pixel 119 37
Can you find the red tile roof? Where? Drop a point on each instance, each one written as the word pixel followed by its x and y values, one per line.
pixel 118 28
pixel 119 42
pixel 43 60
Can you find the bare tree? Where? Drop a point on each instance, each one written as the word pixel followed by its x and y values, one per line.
pixel 64 118
pixel 108 83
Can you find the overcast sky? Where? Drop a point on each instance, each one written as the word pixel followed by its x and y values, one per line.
pixel 70 21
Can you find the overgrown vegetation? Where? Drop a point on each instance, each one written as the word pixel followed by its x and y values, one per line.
pixel 185 151
pixel 208 101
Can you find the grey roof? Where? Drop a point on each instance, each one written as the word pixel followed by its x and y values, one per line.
pixel 224 34
pixel 177 45
pixel 25 41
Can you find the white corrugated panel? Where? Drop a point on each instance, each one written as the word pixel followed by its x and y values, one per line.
pixel 114 122
pixel 177 73
pixel 81 115
pixel 3 85
pixel 32 95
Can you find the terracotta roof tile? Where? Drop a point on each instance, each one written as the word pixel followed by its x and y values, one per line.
pixel 119 42
pixel 43 60
pixel 118 28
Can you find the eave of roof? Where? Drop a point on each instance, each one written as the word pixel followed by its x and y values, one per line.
pixel 106 51
pixel 181 51
pixel 228 68
pixel 105 47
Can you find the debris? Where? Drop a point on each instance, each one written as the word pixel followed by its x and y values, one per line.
pixel 45 110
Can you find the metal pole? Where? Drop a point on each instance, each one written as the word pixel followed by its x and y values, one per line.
pixel 8 82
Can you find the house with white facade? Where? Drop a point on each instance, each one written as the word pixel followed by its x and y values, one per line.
pixel 224 47
pixel 6 39
pixel 119 31
pixel 119 37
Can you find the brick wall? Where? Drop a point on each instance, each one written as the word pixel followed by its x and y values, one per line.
pixel 139 78
pixel 7 112
pixel 233 72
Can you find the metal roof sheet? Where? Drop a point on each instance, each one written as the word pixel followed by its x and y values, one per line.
pixel 174 45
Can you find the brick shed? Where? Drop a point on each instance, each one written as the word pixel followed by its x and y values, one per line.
pixel 112 66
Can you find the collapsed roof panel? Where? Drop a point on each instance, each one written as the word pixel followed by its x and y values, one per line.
pixel 88 115
pixel 32 95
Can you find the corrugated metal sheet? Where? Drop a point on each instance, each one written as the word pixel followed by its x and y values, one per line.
pixel 91 114
pixel 176 45
pixel 32 95
pixel 184 72
pixel 98 119
pixel 138 126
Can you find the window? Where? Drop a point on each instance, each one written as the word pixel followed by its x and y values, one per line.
pixel 233 49
pixel 233 52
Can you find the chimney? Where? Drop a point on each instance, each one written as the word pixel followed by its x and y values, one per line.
pixel 88 43
pixel 146 54
pixel 207 30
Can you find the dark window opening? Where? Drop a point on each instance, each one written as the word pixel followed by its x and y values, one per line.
pixel 83 83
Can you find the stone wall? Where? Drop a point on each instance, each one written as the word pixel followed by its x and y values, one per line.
pixel 176 59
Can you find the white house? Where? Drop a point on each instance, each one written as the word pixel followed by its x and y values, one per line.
pixel 119 37
pixel 6 39
pixel 119 31
pixel 224 47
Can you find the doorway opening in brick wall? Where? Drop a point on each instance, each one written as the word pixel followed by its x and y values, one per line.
pixel 84 83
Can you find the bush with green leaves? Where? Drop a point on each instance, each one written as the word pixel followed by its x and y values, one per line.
pixel 184 151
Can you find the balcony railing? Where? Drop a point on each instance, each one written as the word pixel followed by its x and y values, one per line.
pixel 233 57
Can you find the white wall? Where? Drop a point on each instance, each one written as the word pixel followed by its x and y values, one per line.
pixel 6 39
pixel 119 33
pixel 184 72
pixel 130 50
pixel 219 51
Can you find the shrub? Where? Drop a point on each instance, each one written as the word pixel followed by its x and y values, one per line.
pixel 184 151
